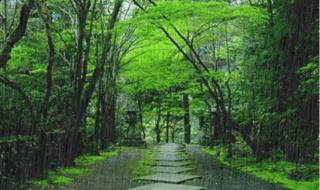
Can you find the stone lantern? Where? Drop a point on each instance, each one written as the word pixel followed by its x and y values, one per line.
pixel 133 136
pixel 132 123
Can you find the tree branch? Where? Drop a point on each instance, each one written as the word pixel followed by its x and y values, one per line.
pixel 97 71
pixel 51 51
pixel 17 34
pixel 12 85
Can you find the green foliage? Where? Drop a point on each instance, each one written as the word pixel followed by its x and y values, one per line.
pixel 150 71
pixel 74 171
pixel 309 83
pixel 60 180
pixel 23 56
pixel 203 12
pixel 163 69
pixel 39 183
pixel 141 168
pixel 91 159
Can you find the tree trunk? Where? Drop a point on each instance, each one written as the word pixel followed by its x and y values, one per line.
pixel 187 128
pixel 167 127
pixel 173 134
pixel 82 96
pixel 98 121
pixel 108 122
pixel 141 117
pixel 158 119
pixel 42 158
pixel 111 122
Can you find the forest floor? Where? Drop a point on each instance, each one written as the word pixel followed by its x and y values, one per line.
pixel 274 169
pixel 119 171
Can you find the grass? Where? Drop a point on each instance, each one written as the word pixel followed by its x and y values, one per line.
pixel 60 180
pixel 274 171
pixel 64 176
pixel 72 171
pixel 141 168
pixel 39 183
pixel 86 160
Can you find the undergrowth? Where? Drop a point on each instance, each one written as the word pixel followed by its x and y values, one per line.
pixel 64 176
pixel 143 165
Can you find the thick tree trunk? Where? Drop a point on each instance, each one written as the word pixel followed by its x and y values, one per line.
pixel 97 125
pixel 108 121
pixel 111 122
pixel 72 143
pixel 42 158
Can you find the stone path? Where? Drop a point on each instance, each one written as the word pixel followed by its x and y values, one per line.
pixel 115 174
pixel 169 178
pixel 174 170
pixel 169 165
pixel 171 157
pixel 166 186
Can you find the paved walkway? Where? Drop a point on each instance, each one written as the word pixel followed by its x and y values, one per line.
pixel 169 167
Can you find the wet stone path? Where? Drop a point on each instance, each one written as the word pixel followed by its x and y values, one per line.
pixel 169 167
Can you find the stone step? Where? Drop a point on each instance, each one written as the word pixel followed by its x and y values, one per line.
pixel 167 147
pixel 175 152
pixel 172 145
pixel 171 158
pixel 170 163
pixel 168 150
pixel 175 170
pixel 169 178
pixel 165 186
pixel 180 154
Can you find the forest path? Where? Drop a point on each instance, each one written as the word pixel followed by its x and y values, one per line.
pixel 171 159
pixel 167 167
pixel 115 172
